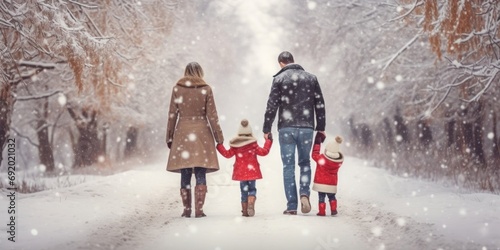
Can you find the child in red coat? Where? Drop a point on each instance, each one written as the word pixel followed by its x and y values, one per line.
pixel 325 177
pixel 246 167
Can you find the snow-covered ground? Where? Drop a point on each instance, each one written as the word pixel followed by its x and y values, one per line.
pixel 140 209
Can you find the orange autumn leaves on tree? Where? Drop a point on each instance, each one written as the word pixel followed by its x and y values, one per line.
pixel 457 23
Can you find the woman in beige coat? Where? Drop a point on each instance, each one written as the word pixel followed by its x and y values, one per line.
pixel 193 124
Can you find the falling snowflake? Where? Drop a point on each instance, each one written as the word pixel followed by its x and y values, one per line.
pixel 401 222
pixel 42 168
pixel 101 158
pixel 178 100
pixel 380 85
pixel 377 231
pixel 491 135
pixel 192 137
pixel 287 115
pixel 185 155
pixel 462 211
pixel 370 79
pixel 399 78
pixel 34 232
pixel 311 5
pixel 61 99
pixel 304 178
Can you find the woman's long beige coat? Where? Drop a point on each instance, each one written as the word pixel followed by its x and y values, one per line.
pixel 193 124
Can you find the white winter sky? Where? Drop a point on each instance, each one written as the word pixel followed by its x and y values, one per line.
pixel 267 33
pixel 261 64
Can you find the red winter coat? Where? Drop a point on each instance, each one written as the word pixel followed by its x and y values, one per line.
pixel 325 177
pixel 246 149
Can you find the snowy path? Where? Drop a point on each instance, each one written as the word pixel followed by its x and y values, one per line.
pixel 140 209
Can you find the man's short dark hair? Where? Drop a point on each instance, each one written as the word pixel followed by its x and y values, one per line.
pixel 285 57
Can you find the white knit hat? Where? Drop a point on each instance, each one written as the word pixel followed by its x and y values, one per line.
pixel 332 150
pixel 245 128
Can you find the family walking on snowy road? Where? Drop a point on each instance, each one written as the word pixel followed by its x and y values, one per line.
pixel 194 135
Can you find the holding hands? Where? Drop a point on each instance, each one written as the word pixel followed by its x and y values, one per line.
pixel 268 136
pixel 320 137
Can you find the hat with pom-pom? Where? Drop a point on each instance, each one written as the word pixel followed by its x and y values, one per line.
pixel 245 128
pixel 332 150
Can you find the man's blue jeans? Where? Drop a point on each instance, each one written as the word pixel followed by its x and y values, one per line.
pixel 292 139
pixel 247 188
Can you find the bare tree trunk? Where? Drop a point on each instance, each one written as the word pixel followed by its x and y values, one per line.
pixel 45 151
pixel 425 133
pixel 478 148
pixel 88 146
pixel 496 147
pixel 389 136
pixel 366 136
pixel 468 136
pixel 131 141
pixel 401 128
pixel 6 105
pixel 450 133
pixel 352 126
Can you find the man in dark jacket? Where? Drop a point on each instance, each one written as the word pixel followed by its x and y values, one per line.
pixel 297 96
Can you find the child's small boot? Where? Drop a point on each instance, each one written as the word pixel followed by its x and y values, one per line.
pixel 322 209
pixel 244 209
pixel 251 205
pixel 333 207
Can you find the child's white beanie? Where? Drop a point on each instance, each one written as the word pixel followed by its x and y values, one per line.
pixel 332 150
pixel 245 128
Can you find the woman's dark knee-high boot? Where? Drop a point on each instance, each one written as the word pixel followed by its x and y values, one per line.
pixel 199 192
pixel 186 202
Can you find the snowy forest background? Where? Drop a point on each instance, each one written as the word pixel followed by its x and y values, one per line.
pixel 410 84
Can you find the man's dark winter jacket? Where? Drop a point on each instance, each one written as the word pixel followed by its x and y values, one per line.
pixel 297 95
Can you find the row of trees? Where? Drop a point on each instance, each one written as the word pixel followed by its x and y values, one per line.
pixel 413 83
pixel 68 70
pixel 88 82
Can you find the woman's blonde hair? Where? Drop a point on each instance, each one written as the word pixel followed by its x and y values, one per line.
pixel 193 69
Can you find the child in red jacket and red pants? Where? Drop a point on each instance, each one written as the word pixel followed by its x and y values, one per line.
pixel 325 177
pixel 246 167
